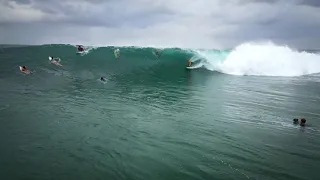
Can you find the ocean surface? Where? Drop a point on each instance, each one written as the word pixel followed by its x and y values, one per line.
pixel 231 118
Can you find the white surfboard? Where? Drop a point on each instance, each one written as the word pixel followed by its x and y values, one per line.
pixel 196 66
pixel 83 52
pixel 192 67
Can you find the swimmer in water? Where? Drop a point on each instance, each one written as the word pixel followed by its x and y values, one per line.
pixel 190 62
pixel 300 121
pixel 54 61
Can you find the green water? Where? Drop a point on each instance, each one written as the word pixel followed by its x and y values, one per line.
pixel 152 119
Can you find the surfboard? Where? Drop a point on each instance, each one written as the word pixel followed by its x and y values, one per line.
pixel 195 66
pixel 192 67
pixel 57 63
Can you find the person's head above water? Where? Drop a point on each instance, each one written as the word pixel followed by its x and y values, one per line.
pixel 301 121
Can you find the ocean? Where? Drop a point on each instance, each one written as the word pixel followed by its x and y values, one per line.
pixel 153 119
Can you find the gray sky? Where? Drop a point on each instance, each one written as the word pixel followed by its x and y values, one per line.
pixel 169 23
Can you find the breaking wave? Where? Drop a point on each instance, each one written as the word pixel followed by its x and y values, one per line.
pixel 265 59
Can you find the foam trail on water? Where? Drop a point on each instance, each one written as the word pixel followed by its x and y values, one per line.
pixel 265 59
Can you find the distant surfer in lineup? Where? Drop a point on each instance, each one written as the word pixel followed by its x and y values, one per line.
pixel 24 70
pixel 117 53
pixel 55 61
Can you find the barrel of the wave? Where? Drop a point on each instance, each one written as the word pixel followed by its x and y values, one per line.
pixel 117 53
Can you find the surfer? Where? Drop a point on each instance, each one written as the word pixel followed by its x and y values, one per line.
pixel 102 79
pixel 24 69
pixel 55 61
pixel 300 121
pixel 190 63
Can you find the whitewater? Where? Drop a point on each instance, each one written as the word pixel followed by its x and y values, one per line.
pixel 265 59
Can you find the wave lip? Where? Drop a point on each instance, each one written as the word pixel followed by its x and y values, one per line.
pixel 265 59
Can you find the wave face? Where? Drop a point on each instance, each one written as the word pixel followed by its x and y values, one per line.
pixel 248 59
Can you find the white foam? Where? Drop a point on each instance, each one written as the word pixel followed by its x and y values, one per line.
pixel 265 59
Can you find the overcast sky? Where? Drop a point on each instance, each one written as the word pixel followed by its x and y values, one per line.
pixel 175 23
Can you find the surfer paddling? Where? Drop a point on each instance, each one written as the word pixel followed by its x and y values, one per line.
pixel 80 48
pixel 24 70
pixel 55 61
